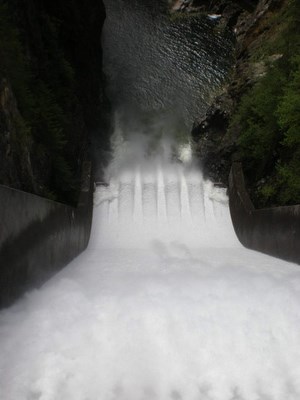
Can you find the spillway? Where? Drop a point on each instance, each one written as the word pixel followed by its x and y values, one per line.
pixel 161 202
pixel 164 304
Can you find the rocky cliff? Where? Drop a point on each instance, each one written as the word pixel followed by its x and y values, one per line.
pixel 256 118
pixel 52 102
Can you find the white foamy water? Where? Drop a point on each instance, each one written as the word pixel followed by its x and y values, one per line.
pixel 164 304
pixel 164 202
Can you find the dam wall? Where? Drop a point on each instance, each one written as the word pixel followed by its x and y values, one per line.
pixel 39 236
pixel 274 231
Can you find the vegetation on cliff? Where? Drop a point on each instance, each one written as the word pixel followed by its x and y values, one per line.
pixel 50 64
pixel 268 115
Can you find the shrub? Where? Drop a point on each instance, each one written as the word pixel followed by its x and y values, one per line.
pixel 268 119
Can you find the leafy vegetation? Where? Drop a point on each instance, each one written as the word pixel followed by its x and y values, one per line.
pixel 268 119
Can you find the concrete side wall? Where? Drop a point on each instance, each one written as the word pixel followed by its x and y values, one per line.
pixel 275 231
pixel 39 236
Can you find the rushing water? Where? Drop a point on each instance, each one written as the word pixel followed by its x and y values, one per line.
pixel 165 304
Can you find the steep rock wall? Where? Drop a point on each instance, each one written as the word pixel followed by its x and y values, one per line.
pixel 52 99
pixel 252 28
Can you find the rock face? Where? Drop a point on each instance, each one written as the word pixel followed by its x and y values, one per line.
pixel 15 159
pixel 215 149
pixel 52 99
pixel 209 140
pixel 226 12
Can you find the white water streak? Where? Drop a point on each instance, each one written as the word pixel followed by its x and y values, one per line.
pixel 164 305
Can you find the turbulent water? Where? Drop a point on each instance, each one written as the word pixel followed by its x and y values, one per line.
pixel 165 303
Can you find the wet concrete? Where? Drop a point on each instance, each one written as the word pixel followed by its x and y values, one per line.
pixel 39 236
pixel 275 231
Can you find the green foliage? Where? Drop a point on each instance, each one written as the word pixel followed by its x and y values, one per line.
pixel 268 119
pixel 267 191
pixel 289 181
pixel 288 113
pixel 282 28
pixel 288 110
pixel 258 123
pixel 179 16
